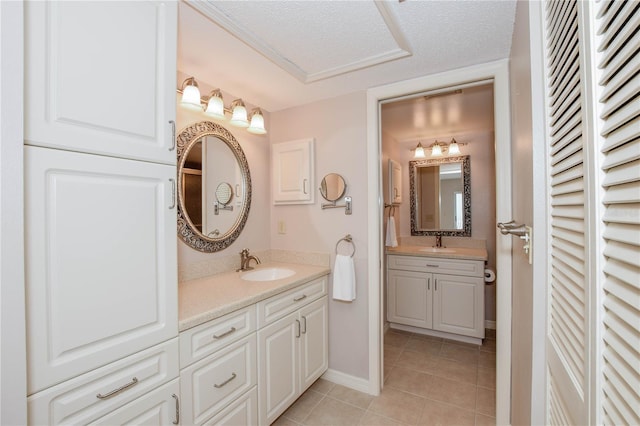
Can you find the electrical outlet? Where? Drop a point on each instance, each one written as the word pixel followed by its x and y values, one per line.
pixel 281 227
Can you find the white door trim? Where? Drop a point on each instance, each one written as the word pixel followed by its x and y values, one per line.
pixel 499 72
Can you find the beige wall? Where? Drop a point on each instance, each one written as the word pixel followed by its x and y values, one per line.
pixel 339 128
pixel 521 349
pixel 255 235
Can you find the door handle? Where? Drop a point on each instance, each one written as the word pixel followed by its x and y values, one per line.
pixel 522 231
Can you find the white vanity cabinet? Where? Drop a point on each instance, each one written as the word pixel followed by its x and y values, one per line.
pixel 445 295
pixel 292 346
pixel 292 175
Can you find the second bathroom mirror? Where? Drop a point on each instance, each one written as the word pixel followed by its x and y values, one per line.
pixel 332 187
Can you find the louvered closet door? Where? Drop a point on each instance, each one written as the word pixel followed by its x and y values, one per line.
pixel 568 314
pixel 619 110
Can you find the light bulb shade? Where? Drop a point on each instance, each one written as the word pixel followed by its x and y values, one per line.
pixel 454 148
pixel 436 151
pixel 215 105
pixel 190 94
pixel 419 152
pixel 239 114
pixel 257 123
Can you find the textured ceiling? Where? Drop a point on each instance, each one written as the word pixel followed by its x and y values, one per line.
pixel 314 36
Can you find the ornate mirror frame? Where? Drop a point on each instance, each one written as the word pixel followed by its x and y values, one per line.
pixel 186 229
pixel 466 182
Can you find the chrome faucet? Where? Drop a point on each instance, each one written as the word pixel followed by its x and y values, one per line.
pixel 438 241
pixel 245 258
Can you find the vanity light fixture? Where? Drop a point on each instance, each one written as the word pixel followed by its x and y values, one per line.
pixel 419 152
pixel 454 148
pixel 213 106
pixel 436 150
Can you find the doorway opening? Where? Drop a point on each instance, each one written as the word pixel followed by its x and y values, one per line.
pixel 497 74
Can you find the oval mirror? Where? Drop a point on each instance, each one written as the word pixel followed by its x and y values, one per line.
pixel 332 187
pixel 211 164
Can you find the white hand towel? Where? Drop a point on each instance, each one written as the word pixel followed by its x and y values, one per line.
pixel 391 240
pixel 344 279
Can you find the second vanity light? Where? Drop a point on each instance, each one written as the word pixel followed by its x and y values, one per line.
pixel 438 149
pixel 214 106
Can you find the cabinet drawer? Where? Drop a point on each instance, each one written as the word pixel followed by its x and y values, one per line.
pixel 211 384
pixel 159 407
pixel 205 339
pixel 76 401
pixel 278 306
pixel 243 411
pixel 470 268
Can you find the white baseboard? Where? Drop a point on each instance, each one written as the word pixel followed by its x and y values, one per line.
pixel 339 378
pixel 490 324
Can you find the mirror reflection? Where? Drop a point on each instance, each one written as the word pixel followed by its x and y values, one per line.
pixel 332 187
pixel 215 187
pixel 440 196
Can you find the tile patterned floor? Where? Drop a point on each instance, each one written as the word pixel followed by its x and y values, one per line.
pixel 428 381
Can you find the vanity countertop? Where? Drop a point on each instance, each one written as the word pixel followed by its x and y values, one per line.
pixel 469 253
pixel 208 298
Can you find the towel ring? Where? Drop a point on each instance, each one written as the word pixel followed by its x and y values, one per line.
pixel 348 239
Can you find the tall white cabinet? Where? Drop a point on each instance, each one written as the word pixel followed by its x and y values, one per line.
pixel 100 214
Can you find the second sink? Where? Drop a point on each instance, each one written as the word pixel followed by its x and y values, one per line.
pixel 438 250
pixel 267 274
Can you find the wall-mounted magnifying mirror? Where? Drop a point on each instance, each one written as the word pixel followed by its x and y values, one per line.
pixel 332 187
pixel 210 164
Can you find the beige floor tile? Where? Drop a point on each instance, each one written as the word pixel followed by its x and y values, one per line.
pixel 409 381
pixel 322 386
pixel 417 361
pixel 487 378
pixel 303 406
pixel 486 402
pixel 372 419
pixel 452 392
pixel 284 421
pixel 334 413
pixel 455 370
pixel 486 359
pixel 397 405
pixel 459 353
pixel 350 396
pixel 458 343
pixel 426 337
pixel 488 345
pixel 437 413
pixel 425 346
pixel 397 340
pixel 482 420
pixel 391 353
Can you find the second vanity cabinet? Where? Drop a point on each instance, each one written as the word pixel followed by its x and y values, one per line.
pixel 445 295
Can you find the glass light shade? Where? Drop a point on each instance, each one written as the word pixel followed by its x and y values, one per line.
pixel 191 96
pixel 257 123
pixel 419 152
pixel 215 106
pixel 454 148
pixel 239 115
pixel 436 151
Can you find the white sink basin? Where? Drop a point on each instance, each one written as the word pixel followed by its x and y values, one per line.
pixel 438 250
pixel 267 274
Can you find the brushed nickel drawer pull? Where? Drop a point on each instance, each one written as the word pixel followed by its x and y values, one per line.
pixel 173 194
pixel 436 283
pixel 299 298
pixel 432 266
pixel 226 333
pixel 297 328
pixel 117 391
pixel 173 135
pixel 428 283
pixel 304 324
pixel 233 376
pixel 177 420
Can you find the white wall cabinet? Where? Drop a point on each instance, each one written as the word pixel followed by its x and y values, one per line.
pixel 100 77
pixel 395 182
pixel 445 295
pixel 100 213
pixel 292 166
pixel 292 351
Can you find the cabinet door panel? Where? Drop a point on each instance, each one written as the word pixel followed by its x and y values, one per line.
pixel 100 77
pixel 292 176
pixel 458 305
pixel 243 411
pixel 277 367
pixel 314 342
pixel 101 261
pixel 409 298
pixel 155 408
